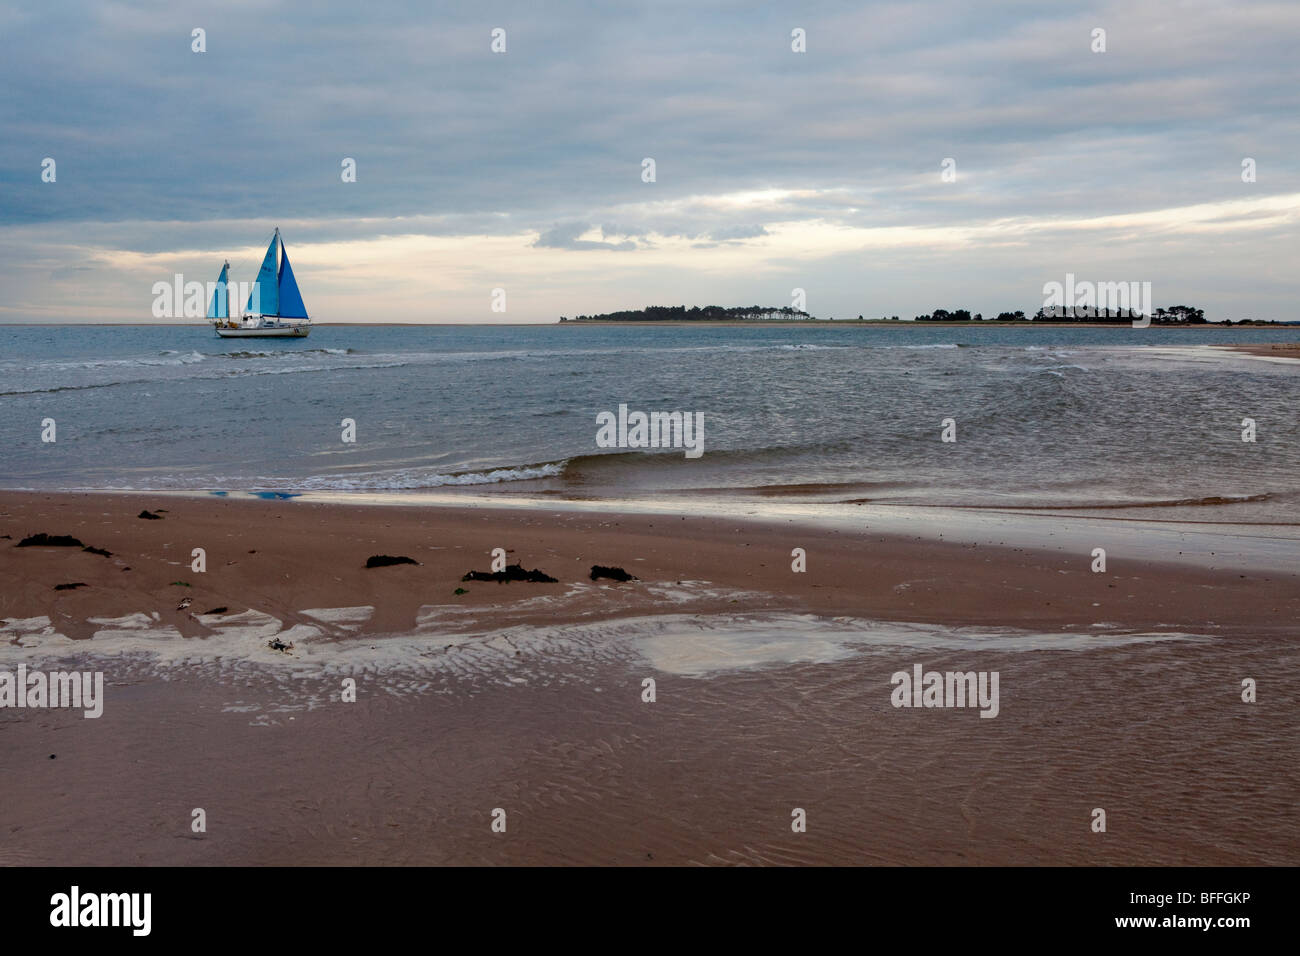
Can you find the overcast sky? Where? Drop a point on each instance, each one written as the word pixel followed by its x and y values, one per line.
pixel 775 170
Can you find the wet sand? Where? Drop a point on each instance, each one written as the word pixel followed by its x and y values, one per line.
pixel 1119 690
pixel 1279 350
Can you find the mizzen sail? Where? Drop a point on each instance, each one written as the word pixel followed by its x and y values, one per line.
pixel 220 305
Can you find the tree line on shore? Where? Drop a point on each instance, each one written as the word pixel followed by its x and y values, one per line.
pixel 709 313
pixel 1173 315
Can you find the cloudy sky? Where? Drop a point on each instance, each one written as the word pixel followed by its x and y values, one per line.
pixel 774 170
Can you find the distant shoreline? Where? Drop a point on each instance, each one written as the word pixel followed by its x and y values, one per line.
pixel 710 323
pixel 850 323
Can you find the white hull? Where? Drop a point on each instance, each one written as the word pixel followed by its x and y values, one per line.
pixel 262 332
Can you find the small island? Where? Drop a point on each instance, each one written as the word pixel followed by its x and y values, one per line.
pixel 709 313
pixel 1177 315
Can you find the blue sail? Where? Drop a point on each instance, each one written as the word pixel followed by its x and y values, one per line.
pixel 291 306
pixel 265 297
pixel 220 307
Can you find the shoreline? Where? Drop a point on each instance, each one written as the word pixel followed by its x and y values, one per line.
pixel 1204 542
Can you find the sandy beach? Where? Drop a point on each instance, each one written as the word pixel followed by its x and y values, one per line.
pixel 1120 690
pixel 1281 350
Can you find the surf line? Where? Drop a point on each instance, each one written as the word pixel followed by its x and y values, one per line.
pixel 653 430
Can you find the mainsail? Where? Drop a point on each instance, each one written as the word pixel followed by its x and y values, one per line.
pixel 220 307
pixel 264 299
pixel 291 306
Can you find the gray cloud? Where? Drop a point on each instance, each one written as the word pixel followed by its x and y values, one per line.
pixel 730 233
pixel 566 237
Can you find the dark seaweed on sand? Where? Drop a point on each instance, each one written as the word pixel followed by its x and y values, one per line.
pixel 618 574
pixel 384 560
pixel 70 587
pixel 44 540
pixel 513 572
pixel 149 515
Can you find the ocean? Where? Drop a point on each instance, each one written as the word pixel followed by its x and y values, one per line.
pixel 1122 422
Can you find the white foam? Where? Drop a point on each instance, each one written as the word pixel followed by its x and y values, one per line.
pixel 24 633
pixel 346 618
pixel 137 626
pixel 686 592
pixel 417 478
pixel 24 625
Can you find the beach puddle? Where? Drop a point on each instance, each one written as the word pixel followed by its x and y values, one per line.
pixel 696 646
pixel 267 669
pixel 681 644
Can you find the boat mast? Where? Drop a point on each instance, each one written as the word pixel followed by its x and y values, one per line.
pixel 279 267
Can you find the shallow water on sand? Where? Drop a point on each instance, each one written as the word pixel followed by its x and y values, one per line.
pixel 440 654
pixel 753 717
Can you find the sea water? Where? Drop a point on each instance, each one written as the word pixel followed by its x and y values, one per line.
pixel 1141 422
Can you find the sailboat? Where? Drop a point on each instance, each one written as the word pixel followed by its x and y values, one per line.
pixel 273 298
